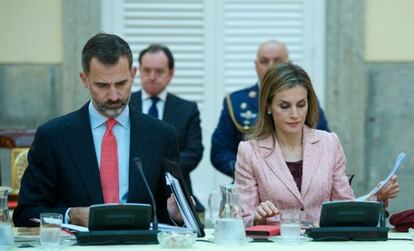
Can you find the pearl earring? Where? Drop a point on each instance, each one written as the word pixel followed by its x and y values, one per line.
pixel 269 112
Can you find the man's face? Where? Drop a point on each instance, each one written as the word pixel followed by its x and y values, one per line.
pixel 109 85
pixel 154 72
pixel 268 55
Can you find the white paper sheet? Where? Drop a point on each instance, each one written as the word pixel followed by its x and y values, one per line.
pixel 376 189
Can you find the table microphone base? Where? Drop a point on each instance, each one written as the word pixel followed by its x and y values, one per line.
pixel 348 233
pixel 113 237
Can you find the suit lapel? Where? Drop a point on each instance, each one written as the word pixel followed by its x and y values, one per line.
pixel 138 101
pixel 276 162
pixel 140 146
pixel 311 158
pixel 170 109
pixel 84 155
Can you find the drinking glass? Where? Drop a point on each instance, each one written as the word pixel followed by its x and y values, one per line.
pixel 290 224
pixel 50 229
pixel 6 231
pixel 230 232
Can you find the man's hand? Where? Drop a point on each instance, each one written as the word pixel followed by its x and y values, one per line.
pixel 79 216
pixel 173 210
pixel 263 211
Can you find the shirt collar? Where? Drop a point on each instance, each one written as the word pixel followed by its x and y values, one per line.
pixel 162 95
pixel 98 119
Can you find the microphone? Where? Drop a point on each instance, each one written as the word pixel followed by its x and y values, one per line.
pixel 105 232
pixel 138 164
pixel 382 215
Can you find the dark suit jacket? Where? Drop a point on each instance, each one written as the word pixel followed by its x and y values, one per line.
pixel 184 116
pixel 63 171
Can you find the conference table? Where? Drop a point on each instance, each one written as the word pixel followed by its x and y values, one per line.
pixel 404 242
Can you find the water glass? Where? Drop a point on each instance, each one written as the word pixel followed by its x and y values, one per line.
pixel 50 229
pixel 6 231
pixel 411 233
pixel 290 224
pixel 230 232
pixel 6 235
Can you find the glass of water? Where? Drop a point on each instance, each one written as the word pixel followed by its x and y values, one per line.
pixel 50 229
pixel 290 224
pixel 230 232
pixel 6 231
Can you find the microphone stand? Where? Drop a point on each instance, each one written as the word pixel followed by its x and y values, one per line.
pixel 382 215
pixel 138 163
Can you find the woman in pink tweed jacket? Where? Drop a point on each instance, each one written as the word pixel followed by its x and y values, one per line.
pixel 286 163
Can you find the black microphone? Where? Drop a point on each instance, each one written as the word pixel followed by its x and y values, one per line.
pixel 382 215
pixel 138 163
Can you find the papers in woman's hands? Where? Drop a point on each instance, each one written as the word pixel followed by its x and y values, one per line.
pixel 378 188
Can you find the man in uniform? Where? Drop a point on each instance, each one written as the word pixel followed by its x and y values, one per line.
pixel 240 110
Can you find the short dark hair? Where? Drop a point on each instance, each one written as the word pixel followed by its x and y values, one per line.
pixel 153 48
pixel 107 48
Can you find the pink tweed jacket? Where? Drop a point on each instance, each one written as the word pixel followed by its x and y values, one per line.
pixel 262 174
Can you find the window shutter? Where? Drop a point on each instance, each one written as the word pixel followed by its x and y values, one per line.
pixel 238 27
pixel 214 43
pixel 177 24
pixel 247 23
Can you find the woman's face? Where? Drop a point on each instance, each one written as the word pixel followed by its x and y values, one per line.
pixel 289 108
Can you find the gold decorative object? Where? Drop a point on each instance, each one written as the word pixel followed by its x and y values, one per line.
pixel 19 164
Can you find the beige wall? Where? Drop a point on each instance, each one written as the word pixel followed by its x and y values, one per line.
pixel 31 31
pixel 389 30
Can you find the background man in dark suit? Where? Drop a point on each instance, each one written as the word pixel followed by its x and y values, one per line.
pixel 156 69
pixel 70 166
pixel 240 109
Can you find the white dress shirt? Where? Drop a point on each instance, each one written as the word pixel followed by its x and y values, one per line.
pixel 122 132
pixel 147 102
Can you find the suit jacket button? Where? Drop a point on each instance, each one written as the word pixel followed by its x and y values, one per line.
pixel 302 209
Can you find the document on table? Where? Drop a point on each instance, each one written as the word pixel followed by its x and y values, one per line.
pixel 376 189
pixel 75 227
pixel 31 234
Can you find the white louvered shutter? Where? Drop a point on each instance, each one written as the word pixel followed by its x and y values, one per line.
pixel 214 43
pixel 177 24
pixel 247 23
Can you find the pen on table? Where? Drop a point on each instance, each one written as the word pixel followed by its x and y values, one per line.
pixel 35 220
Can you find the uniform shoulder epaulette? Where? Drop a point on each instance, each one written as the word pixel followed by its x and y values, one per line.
pixel 243 108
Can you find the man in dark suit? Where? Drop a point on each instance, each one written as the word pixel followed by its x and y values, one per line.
pixel 240 109
pixel 86 157
pixel 156 69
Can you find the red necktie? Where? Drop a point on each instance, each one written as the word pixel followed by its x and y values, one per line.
pixel 109 165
